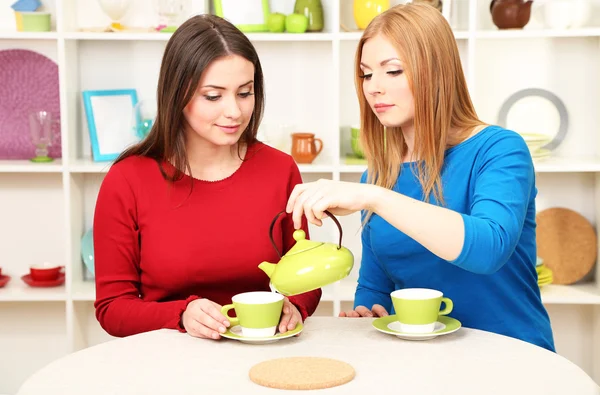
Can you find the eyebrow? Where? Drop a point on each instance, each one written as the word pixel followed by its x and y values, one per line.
pixel 383 62
pixel 220 87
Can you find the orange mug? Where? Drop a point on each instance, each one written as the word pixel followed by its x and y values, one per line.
pixel 304 147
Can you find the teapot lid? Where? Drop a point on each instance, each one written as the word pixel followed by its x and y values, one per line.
pixel 301 243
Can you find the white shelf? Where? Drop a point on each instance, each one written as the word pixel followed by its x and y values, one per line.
pixel 17 291
pixel 14 35
pixel 157 36
pixel 537 33
pixel 88 166
pixel 567 165
pixel 571 294
pixel 84 291
pixel 25 166
pixel 356 35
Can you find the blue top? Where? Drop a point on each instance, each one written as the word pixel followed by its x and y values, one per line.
pixel 490 180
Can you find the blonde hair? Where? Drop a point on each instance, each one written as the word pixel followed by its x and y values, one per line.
pixel 426 45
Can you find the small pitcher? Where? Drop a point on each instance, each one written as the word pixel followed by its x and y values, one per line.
pixel 304 147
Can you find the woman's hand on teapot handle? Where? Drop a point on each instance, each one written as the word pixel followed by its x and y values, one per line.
pixel 290 317
pixel 361 311
pixel 338 197
pixel 202 318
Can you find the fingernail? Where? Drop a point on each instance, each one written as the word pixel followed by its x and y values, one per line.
pixel 222 329
pixel 226 323
pixel 215 335
pixel 286 310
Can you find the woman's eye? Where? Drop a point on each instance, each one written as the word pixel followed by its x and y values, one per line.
pixel 212 98
pixel 366 76
pixel 395 72
pixel 246 94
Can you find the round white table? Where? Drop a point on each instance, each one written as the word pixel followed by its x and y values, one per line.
pixel 168 362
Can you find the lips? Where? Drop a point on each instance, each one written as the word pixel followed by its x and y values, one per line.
pixel 229 128
pixel 381 107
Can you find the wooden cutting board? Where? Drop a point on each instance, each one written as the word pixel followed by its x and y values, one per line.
pixel 567 243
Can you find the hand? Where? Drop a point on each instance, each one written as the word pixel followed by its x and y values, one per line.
pixel 361 311
pixel 290 317
pixel 202 318
pixel 338 197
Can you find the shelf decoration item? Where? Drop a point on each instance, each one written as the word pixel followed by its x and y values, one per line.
pixel 550 114
pixel 87 250
pixel 26 5
pixel 110 123
pixel 115 10
pixel 510 14
pixel 366 10
pixel 28 82
pixel 567 243
pixel 43 130
pixel 544 273
pixel 438 4
pixel 169 15
pixel 248 16
pixel 313 10
pixel 304 147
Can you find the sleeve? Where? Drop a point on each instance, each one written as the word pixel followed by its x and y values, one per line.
pixel 306 303
pixel 374 285
pixel 503 187
pixel 119 308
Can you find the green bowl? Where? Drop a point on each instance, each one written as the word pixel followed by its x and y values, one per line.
pixel 356 148
pixel 355 130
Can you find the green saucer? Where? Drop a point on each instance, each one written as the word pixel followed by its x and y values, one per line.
pixel 235 333
pixel 41 159
pixel 389 325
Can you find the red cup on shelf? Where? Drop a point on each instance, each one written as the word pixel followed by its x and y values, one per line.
pixel 0 272
pixel 45 272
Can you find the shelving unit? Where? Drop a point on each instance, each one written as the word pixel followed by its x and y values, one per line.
pixel 46 208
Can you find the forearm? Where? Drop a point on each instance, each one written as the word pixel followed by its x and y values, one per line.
pixel 127 316
pixel 438 229
pixel 307 303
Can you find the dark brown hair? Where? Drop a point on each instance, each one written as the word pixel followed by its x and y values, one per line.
pixel 191 49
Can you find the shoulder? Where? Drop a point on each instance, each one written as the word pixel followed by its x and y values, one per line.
pixel 496 145
pixel 131 169
pixel 497 138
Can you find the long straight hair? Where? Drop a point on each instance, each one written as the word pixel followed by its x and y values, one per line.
pixel 194 45
pixel 426 45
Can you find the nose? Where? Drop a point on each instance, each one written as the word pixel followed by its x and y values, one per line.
pixel 374 86
pixel 232 109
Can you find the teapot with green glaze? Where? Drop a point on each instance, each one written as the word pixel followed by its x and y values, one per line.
pixel 309 264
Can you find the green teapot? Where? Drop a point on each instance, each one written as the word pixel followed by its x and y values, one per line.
pixel 309 264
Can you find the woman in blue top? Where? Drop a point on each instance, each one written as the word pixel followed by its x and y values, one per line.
pixel 447 202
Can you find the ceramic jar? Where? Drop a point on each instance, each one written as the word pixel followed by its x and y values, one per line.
pixel 366 10
pixel 510 14
pixel 304 147
pixel 313 10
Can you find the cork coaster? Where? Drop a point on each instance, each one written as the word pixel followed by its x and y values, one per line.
pixel 567 243
pixel 301 373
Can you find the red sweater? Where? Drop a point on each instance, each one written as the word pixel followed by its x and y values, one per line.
pixel 157 247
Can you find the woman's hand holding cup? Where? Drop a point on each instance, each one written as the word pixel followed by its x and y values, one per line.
pixel 203 318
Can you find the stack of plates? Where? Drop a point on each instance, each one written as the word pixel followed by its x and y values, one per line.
pixel 544 273
pixel 535 142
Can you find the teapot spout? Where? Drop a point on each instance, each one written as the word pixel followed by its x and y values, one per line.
pixel 268 268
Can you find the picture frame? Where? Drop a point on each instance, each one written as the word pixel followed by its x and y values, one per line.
pixel 249 15
pixel 111 126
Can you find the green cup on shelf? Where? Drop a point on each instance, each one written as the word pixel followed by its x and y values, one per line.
pixel 355 142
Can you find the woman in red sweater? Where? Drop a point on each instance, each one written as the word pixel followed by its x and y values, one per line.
pixel 182 219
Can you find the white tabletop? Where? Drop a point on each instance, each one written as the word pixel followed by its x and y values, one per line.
pixel 168 362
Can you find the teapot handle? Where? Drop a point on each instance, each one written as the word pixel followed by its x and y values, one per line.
pixel 282 212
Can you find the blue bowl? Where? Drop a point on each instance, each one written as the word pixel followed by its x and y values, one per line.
pixel 87 250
